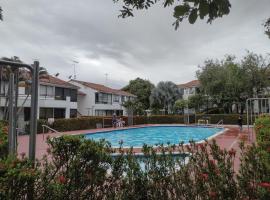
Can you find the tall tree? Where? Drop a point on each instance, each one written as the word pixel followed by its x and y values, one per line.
pixel 142 89
pixel 230 83
pixel 165 95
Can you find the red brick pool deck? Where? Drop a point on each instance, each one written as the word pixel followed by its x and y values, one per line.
pixel 229 139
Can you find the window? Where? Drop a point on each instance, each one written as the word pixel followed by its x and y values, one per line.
pixel 73 95
pixel 103 98
pixel 116 98
pixel 63 93
pixel 59 93
pixel 59 113
pixel 46 91
pixel 73 113
pixel 122 98
pixel 45 113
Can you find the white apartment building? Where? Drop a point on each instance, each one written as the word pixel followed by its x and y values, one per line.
pixel 57 99
pixel 99 100
pixel 188 89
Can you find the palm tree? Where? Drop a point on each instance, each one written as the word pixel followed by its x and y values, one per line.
pixel 165 95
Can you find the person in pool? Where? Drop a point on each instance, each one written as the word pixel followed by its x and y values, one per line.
pixel 114 120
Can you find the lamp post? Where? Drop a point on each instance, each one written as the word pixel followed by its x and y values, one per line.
pixel 34 69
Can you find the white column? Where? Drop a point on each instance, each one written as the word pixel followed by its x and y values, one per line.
pixel 67 107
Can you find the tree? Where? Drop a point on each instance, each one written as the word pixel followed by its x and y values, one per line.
pixel 142 89
pixel 186 9
pixel 180 105
pixel 197 101
pixel 229 83
pixel 164 96
pixel 267 27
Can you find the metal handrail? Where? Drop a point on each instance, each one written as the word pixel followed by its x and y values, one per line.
pixel 220 122
pixel 45 126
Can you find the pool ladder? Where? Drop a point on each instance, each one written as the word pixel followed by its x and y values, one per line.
pixel 219 124
pixel 49 128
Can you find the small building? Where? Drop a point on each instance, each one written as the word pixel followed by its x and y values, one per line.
pixel 57 99
pixel 190 88
pixel 100 100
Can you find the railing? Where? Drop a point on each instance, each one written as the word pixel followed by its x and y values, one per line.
pixel 219 124
pixel 51 129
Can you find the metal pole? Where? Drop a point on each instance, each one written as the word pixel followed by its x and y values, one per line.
pixel 11 138
pixel 34 107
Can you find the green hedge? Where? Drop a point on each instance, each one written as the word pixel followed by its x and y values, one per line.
pixel 90 122
pixel 170 119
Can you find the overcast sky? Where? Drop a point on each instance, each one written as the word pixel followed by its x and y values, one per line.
pixel 146 46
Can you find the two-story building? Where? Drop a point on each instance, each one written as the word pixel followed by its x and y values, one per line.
pixel 190 88
pixel 100 100
pixel 57 99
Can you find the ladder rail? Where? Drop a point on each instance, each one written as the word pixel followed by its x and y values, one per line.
pixel 51 129
pixel 219 124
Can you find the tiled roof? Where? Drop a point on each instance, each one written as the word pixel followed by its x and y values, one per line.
pixel 51 80
pixel 103 88
pixel 194 83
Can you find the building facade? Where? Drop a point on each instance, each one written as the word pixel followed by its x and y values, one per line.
pixel 190 88
pixel 57 99
pixel 99 100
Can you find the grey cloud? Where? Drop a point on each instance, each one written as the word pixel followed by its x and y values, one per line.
pixel 147 45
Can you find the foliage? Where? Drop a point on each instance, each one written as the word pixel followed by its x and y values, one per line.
pixel 76 168
pixel 142 89
pixel 1 15
pixel 197 101
pixel 186 9
pixel 164 96
pixel 16 177
pixel 180 105
pixel 179 119
pixel 267 27
pixel 229 83
pixel 3 140
pixel 84 123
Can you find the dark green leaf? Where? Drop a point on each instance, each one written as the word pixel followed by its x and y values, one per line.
pixel 193 16
pixel 181 10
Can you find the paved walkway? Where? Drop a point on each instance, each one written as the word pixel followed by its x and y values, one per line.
pixel 227 140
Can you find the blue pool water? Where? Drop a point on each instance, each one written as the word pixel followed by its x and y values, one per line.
pixel 154 135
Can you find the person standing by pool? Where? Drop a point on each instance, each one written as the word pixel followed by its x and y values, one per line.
pixel 240 123
pixel 114 120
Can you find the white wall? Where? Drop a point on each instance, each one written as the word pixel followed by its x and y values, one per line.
pixel 87 105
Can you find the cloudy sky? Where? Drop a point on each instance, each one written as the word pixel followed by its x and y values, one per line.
pixel 146 46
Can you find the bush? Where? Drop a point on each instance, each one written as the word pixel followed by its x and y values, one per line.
pixel 83 123
pixel 77 168
pixel 3 140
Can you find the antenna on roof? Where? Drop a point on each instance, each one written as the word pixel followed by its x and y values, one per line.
pixel 106 79
pixel 57 74
pixel 74 65
pixel 70 77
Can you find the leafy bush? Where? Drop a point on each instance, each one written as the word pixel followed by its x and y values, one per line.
pixel 3 140
pixel 77 168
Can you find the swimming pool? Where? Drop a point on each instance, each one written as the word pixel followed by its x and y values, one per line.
pixel 155 135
